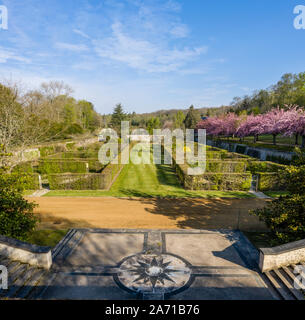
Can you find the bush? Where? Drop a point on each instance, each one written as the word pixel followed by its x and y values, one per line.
pixel 17 219
pixel 285 217
pixel 295 177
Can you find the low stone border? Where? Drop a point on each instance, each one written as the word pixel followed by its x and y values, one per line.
pixel 280 256
pixel 25 252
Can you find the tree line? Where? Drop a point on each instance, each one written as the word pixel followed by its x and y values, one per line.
pixel 44 114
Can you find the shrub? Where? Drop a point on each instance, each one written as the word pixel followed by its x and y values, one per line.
pixel 17 219
pixel 285 217
pixel 295 177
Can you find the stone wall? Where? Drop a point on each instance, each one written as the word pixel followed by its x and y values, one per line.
pixel 280 256
pixel 260 153
pixel 26 253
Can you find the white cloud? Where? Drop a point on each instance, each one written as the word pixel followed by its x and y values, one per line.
pixel 144 55
pixel 6 54
pixel 179 31
pixel 71 47
pixel 81 33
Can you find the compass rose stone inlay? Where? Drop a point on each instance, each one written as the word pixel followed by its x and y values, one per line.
pixel 154 273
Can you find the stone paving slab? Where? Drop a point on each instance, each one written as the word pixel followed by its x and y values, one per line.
pixel 139 264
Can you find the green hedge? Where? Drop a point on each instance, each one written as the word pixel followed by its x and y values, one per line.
pixel 74 155
pixel 264 166
pixel 23 167
pixel 89 181
pixel 271 181
pixel 226 166
pixel 55 166
pixel 32 181
pixel 214 181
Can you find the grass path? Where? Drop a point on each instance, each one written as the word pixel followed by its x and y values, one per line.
pixel 149 180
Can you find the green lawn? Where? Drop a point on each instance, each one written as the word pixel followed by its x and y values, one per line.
pixel 48 238
pixel 149 181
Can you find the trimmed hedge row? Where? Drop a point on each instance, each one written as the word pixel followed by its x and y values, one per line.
pixel 55 166
pixel 24 167
pixel 264 166
pixel 271 181
pixel 214 181
pixel 75 181
pixel 88 181
pixel 74 155
pixel 32 181
pixel 224 166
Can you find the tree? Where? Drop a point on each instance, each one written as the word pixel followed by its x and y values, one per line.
pixel 118 116
pixel 153 123
pixel 285 217
pixel 11 117
pixel 179 120
pixel 191 119
pixel 17 219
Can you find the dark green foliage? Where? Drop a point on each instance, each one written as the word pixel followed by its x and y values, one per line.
pixel 285 217
pixel 74 129
pixel 117 117
pixel 16 214
pixel 191 119
pixel 272 181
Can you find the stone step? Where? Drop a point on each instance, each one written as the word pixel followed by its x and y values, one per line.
pixel 289 284
pixel 31 284
pixel 278 286
pixel 282 280
pixel 59 247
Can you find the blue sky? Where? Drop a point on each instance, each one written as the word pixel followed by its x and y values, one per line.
pixel 152 54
